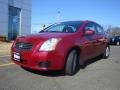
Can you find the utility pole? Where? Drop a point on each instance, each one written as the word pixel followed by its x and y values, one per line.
pixel 58 16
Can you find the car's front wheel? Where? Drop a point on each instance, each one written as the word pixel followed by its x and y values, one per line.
pixel 72 63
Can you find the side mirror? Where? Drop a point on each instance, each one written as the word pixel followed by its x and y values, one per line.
pixel 89 32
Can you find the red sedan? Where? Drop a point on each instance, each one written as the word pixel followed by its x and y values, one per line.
pixel 64 45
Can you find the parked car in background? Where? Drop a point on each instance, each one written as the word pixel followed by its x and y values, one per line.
pixel 61 46
pixel 115 40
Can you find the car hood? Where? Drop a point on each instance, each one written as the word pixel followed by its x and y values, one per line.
pixel 42 37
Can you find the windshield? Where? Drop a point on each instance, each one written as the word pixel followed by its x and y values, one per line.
pixel 66 27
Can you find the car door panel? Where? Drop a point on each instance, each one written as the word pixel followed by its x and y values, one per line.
pixel 101 40
pixel 89 48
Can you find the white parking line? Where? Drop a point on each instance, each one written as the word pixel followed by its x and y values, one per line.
pixel 2 65
pixel 5 56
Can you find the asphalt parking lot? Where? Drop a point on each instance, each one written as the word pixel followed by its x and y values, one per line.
pixel 103 74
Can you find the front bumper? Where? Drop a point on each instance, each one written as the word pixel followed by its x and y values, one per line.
pixel 39 60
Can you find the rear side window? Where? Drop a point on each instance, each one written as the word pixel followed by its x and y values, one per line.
pixel 99 29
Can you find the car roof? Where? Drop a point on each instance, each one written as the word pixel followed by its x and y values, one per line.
pixel 77 21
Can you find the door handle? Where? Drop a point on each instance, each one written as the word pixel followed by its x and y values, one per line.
pixel 94 41
pixel 101 40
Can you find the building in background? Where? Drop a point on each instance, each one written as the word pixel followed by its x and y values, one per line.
pixel 15 18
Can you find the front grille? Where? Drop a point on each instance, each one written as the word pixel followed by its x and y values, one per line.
pixel 23 46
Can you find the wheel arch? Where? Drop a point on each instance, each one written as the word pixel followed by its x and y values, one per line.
pixel 77 48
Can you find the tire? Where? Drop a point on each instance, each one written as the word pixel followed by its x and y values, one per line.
pixel 118 43
pixel 72 63
pixel 106 53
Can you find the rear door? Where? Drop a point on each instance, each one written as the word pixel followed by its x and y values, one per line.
pixel 101 39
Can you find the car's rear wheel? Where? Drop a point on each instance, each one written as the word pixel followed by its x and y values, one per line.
pixel 118 43
pixel 72 63
pixel 106 52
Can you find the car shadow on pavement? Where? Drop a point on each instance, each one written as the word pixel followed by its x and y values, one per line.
pixel 61 73
pixel 91 61
pixel 45 73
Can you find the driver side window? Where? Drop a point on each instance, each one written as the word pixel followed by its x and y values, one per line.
pixel 90 26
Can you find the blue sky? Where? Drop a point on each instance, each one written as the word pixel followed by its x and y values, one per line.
pixel 105 12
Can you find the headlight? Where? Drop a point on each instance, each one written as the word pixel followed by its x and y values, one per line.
pixel 49 45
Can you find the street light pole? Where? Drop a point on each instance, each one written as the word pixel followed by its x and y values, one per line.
pixel 58 16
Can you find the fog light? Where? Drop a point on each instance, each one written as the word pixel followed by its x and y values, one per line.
pixel 44 64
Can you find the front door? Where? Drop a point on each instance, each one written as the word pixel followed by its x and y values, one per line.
pixel 88 47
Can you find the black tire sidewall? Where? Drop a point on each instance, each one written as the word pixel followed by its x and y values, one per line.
pixel 69 63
